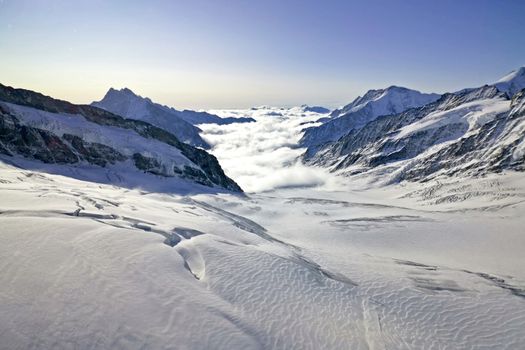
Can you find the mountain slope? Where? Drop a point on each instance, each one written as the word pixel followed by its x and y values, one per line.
pixel 494 146
pixel 53 131
pixel 469 132
pixel 512 82
pixel 180 123
pixel 362 110
pixel 129 105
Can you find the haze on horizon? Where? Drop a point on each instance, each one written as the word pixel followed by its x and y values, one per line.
pixel 237 54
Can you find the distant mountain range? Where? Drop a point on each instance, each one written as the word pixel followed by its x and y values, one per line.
pixel 126 103
pixel 401 134
pixel 394 134
pixel 41 128
pixel 315 109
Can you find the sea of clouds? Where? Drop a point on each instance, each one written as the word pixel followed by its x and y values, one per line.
pixel 263 155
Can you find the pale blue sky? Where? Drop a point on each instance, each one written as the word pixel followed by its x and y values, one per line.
pixel 226 54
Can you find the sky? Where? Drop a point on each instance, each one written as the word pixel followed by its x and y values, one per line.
pixel 237 54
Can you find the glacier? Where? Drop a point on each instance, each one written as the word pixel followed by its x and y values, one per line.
pixel 406 232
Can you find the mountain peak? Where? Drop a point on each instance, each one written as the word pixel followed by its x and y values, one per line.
pixel 127 91
pixel 397 88
pixel 513 75
pixel 390 96
pixel 512 82
pixel 122 92
pixel 375 103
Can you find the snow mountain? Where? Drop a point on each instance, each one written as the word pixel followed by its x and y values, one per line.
pixel 362 110
pixel 315 109
pixel 43 129
pixel 471 132
pixel 320 262
pixel 126 103
pixel 512 82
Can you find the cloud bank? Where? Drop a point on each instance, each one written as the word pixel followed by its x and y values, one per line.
pixel 263 155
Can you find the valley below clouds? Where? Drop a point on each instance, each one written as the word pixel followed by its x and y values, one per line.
pixel 264 155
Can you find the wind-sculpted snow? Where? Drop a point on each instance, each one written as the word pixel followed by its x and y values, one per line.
pixel 87 265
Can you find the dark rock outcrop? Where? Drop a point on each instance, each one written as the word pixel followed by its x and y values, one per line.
pixel 47 147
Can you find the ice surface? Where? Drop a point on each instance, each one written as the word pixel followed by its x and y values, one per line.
pixel 335 266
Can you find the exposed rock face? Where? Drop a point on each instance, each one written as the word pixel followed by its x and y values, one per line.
pixel 49 148
pixel 495 146
pixel 94 153
pixel 148 164
pixel 33 143
pixel 473 131
pixel 48 142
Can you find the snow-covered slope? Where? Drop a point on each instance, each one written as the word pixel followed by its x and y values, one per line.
pixel 91 266
pixel 180 123
pixel 512 82
pixel 362 110
pixel 307 264
pixel 129 105
pixel 473 131
pixel 391 100
pixel 56 132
